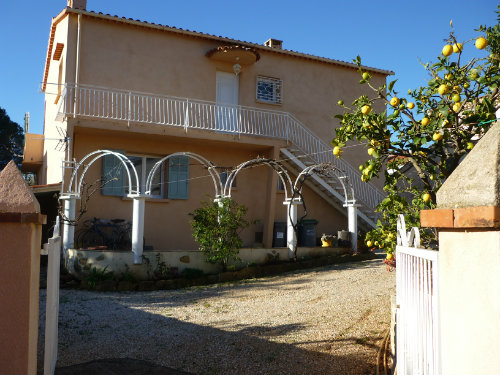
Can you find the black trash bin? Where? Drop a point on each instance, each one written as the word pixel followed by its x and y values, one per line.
pixel 279 234
pixel 307 233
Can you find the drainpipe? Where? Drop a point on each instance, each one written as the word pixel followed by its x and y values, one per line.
pixel 77 63
pixel 138 227
pixel 352 223
pixel 291 220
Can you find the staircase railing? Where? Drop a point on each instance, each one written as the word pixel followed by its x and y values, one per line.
pixel 137 107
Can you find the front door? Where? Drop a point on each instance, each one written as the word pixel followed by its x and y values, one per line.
pixel 227 101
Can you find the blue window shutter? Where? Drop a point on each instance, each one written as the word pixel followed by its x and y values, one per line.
pixel 178 176
pixel 113 175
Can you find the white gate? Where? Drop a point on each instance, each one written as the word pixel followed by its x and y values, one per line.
pixel 53 250
pixel 417 339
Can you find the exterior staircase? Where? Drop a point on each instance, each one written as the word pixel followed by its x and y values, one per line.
pixel 331 189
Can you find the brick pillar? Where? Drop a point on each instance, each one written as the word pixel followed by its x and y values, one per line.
pixel 20 234
pixel 468 220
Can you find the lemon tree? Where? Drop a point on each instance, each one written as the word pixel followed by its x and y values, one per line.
pixel 422 136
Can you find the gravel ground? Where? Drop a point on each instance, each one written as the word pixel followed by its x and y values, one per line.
pixel 326 320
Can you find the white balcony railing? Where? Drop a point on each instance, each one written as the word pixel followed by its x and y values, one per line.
pixel 136 107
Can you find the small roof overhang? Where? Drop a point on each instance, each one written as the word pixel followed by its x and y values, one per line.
pixel 234 54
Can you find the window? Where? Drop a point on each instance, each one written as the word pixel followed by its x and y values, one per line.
pixel 114 175
pixel 178 177
pixel 144 165
pixel 269 90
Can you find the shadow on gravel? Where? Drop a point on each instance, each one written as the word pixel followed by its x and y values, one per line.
pixel 198 349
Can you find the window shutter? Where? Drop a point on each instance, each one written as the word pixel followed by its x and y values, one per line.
pixel 178 175
pixel 113 175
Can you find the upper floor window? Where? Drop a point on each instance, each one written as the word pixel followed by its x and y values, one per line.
pixel 269 90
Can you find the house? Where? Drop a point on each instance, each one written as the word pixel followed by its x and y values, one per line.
pixel 146 91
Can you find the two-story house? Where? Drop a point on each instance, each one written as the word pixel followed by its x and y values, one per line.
pixel 147 91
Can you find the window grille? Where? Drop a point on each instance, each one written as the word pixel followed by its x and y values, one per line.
pixel 269 90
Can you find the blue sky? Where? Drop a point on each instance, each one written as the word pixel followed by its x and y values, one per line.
pixel 387 35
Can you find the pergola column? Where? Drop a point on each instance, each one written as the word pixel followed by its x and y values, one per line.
pixel 291 220
pixel 352 223
pixel 68 223
pixel 139 202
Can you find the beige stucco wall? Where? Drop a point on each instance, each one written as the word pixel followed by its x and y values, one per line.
pixel 167 221
pixel 469 302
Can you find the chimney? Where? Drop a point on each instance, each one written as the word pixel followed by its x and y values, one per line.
pixel 274 43
pixel 78 4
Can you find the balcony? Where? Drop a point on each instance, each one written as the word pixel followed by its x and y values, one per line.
pixel 84 101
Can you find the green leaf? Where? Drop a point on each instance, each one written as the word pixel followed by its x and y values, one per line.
pixel 391 85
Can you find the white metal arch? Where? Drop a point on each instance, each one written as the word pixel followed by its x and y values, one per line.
pixel 330 171
pixel 76 183
pixel 276 166
pixel 210 166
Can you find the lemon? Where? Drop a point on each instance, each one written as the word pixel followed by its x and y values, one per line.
pixel 369 243
pixel 426 197
pixel 371 151
pixel 411 105
pixel 366 109
pixel 389 256
pixel 437 136
pixel 337 151
pixel 470 145
pixel 456 107
pixel 458 47
pixel 425 121
pixel 443 89
pixel 481 43
pixel 447 50
pixel 456 98
pixel 394 102
pixel 340 102
pixel 366 76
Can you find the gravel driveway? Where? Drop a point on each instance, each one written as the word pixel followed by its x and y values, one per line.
pixel 326 320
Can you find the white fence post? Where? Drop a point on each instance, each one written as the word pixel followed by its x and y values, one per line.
pixel 417 288
pixel 53 250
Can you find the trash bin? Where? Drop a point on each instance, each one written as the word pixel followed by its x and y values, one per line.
pixel 279 234
pixel 307 233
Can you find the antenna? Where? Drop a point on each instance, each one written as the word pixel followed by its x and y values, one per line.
pixel 26 122
pixel 63 142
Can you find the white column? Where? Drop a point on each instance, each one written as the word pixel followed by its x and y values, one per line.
pixel 352 224
pixel 69 216
pixel 291 220
pixel 138 227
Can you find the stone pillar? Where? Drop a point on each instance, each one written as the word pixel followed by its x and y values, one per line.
pixel 468 220
pixel 21 235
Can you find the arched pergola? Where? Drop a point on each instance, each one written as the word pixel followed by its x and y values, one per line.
pixel 75 189
pixel 330 171
pixel 203 161
pixel 75 186
pixel 276 166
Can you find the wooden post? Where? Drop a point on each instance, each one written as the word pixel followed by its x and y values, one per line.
pixel 20 231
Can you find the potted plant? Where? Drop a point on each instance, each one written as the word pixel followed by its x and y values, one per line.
pixel 327 240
